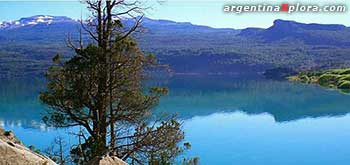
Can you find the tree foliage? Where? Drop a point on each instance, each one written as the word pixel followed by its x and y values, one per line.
pixel 100 89
pixel 333 78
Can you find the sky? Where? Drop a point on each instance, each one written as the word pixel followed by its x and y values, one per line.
pixel 199 12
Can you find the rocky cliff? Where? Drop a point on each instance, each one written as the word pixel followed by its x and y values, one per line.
pixel 13 152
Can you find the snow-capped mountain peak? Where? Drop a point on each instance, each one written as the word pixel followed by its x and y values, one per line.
pixel 35 20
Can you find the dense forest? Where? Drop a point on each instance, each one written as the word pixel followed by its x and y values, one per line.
pixel 188 48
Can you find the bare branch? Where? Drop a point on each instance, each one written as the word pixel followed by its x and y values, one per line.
pixel 136 25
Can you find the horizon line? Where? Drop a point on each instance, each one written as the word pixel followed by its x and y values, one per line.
pixel 159 19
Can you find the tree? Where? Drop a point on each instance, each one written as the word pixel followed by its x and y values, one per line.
pixel 56 151
pixel 100 89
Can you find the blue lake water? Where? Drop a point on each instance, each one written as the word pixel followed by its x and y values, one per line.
pixel 227 119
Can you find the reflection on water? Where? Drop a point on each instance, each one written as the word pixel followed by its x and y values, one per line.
pixel 196 96
pixel 19 104
pixel 238 138
pixel 227 119
pixel 285 101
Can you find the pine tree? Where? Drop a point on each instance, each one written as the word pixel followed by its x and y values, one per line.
pixel 101 90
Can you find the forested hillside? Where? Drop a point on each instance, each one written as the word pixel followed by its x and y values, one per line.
pixel 27 46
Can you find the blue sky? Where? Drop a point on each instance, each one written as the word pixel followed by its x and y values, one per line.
pixel 206 12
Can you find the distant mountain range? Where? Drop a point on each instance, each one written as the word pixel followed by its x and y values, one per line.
pixel 311 34
pixel 35 20
pixel 28 44
pixel 155 25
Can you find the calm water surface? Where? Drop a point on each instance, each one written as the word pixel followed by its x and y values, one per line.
pixel 227 119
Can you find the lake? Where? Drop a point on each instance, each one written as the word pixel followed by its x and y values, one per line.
pixel 227 119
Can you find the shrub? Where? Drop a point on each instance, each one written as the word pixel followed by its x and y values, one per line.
pixel 344 85
pixel 314 73
pixel 344 71
pixel 328 79
pixel 339 71
pixel 345 77
pixel 304 79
